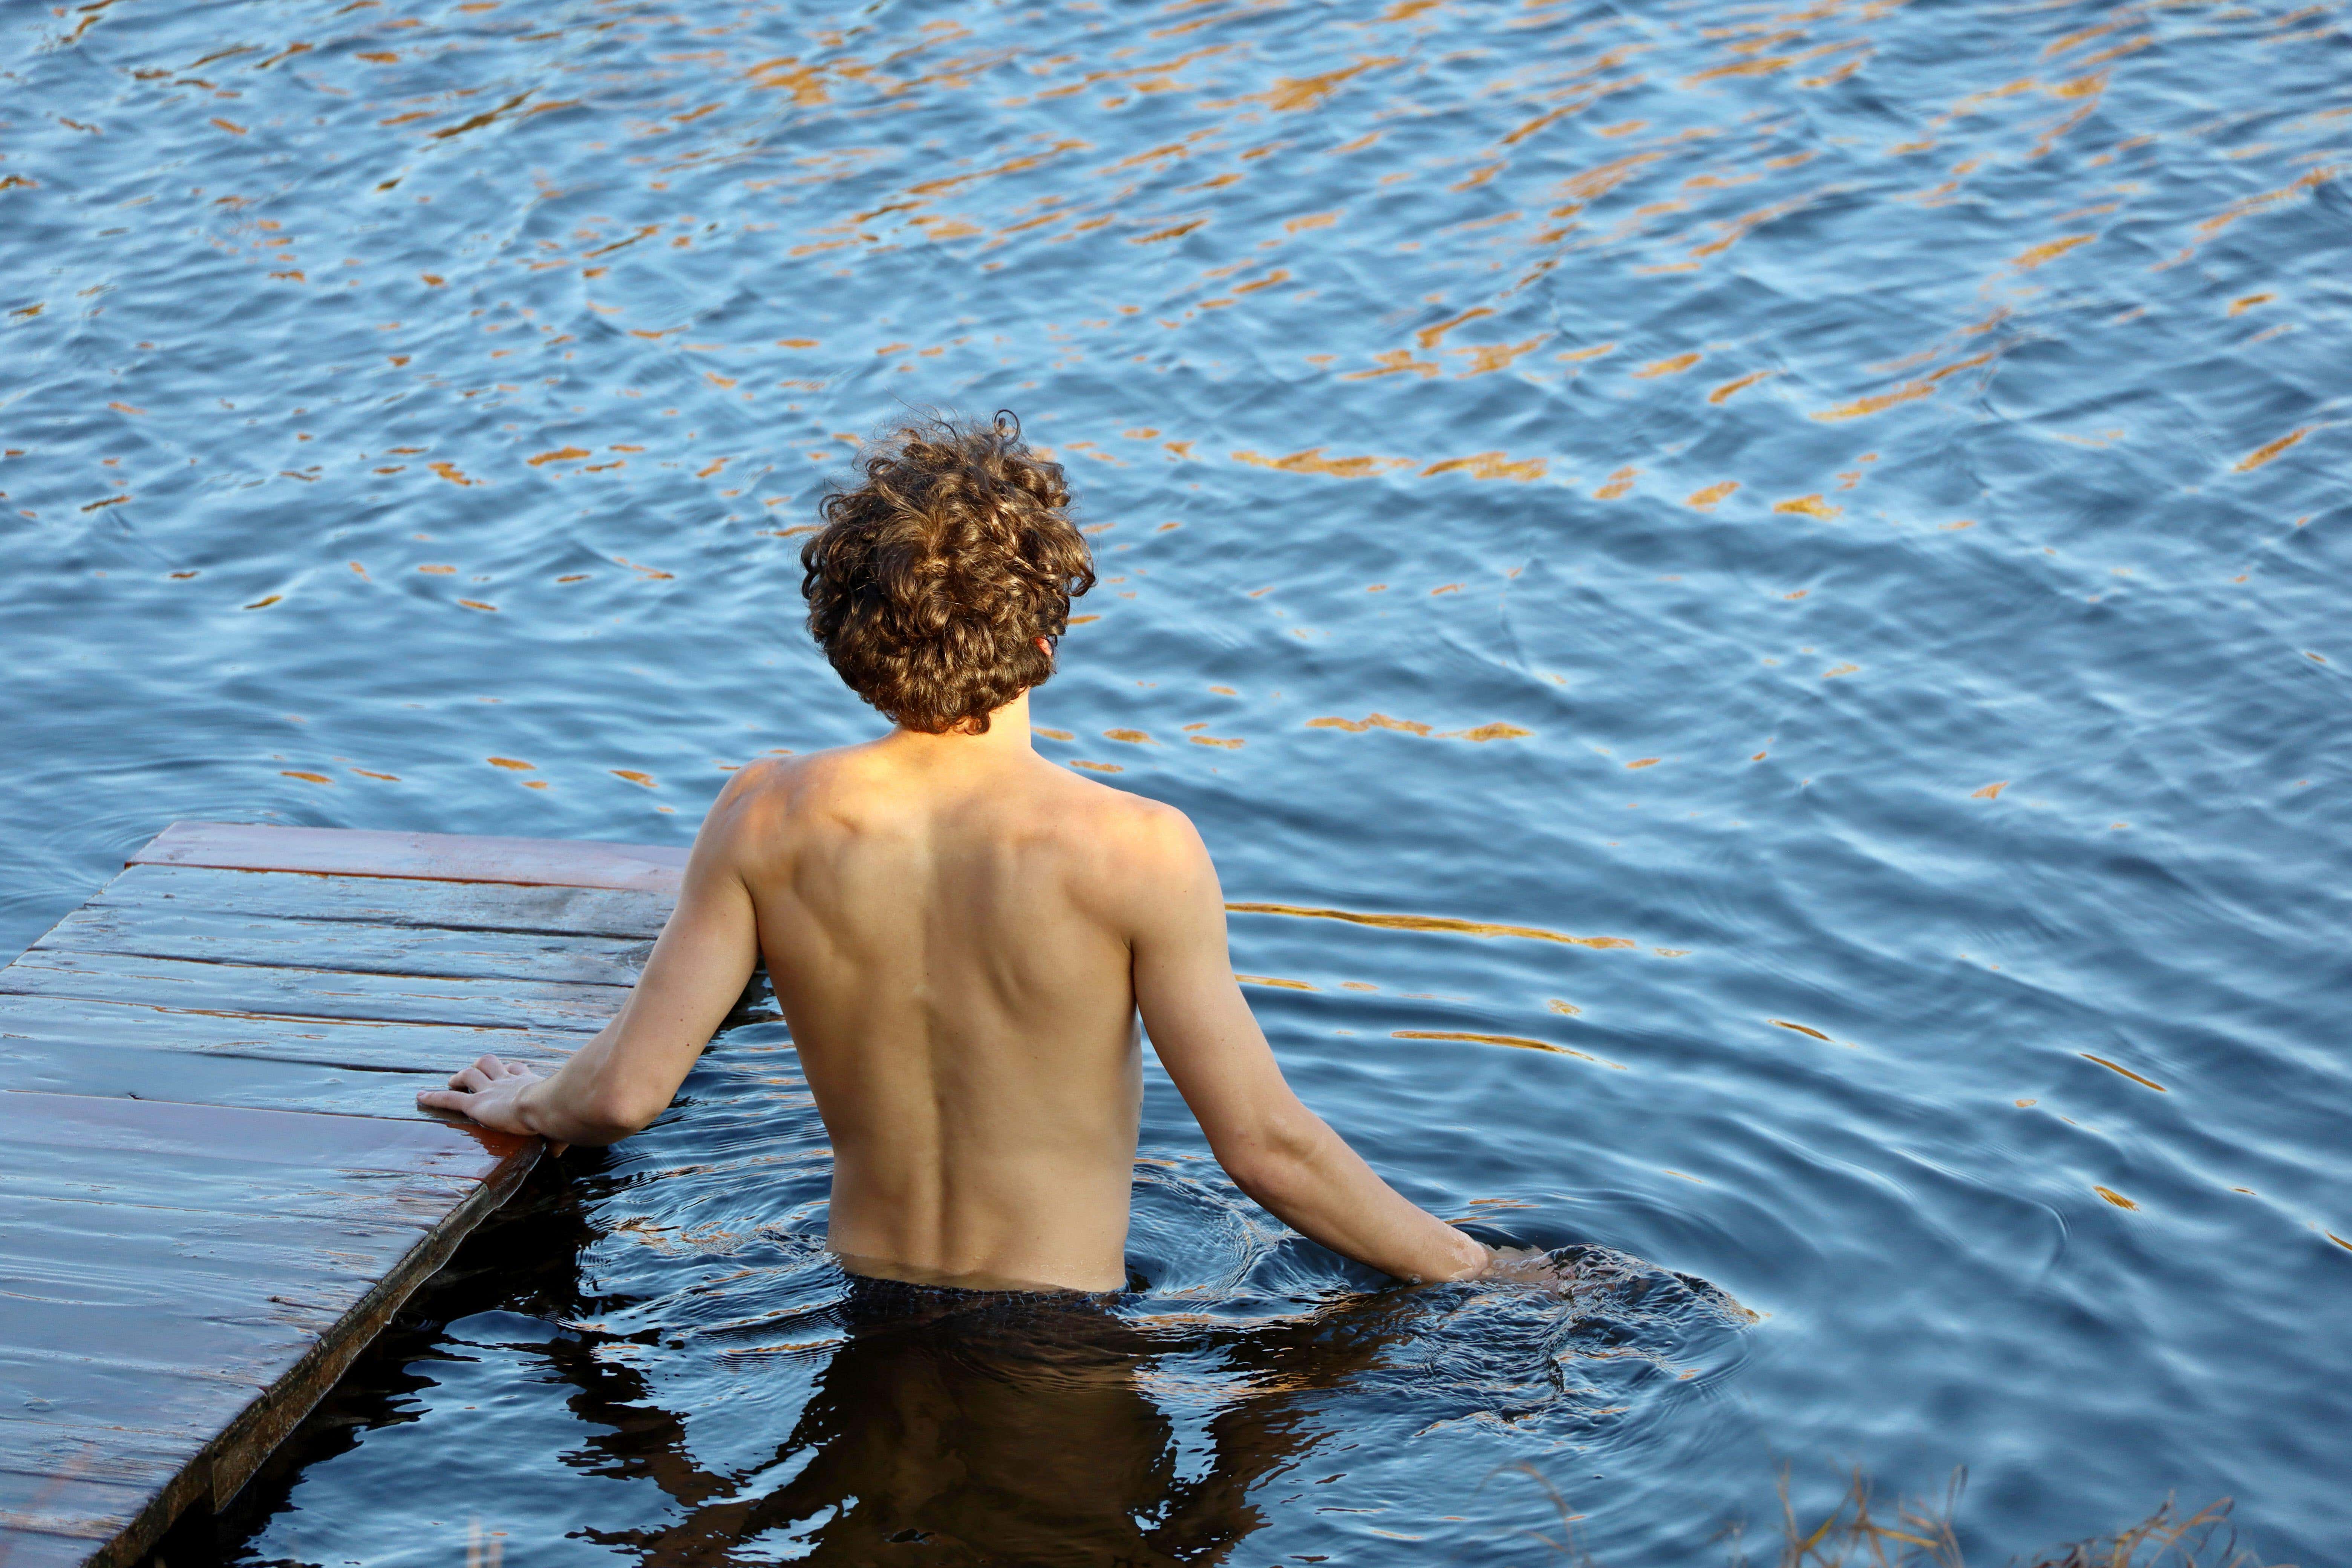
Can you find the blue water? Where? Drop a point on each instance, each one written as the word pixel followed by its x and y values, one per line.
pixel 1844 506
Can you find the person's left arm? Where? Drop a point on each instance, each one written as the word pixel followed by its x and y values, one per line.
pixel 618 1083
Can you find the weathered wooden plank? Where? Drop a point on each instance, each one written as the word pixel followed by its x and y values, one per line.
pixel 33 1172
pixel 61 1519
pixel 135 1426
pixel 312 992
pixel 103 1388
pixel 207 936
pixel 136 1130
pixel 29 1550
pixel 239 1450
pixel 219 1319
pixel 228 1423
pixel 258 1083
pixel 113 1454
pixel 66 1024
pixel 207 1331
pixel 394 900
pixel 441 856
pixel 240 1294
pixel 69 1487
pixel 184 1280
pixel 51 1150
pixel 26 1549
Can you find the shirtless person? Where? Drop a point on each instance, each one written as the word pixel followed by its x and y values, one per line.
pixel 961 934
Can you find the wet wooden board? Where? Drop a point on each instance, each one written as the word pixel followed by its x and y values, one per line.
pixel 350 1144
pixel 165 1412
pixel 440 857
pixel 452 906
pixel 322 992
pixel 205 1079
pixel 182 1184
pixel 215 1186
pixel 168 1342
pixel 175 1282
pixel 361 1043
pixel 210 936
pixel 68 1519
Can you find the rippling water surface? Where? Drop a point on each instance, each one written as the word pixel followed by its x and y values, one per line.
pixel 1750 599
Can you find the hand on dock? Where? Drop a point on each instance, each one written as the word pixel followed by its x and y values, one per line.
pixel 488 1092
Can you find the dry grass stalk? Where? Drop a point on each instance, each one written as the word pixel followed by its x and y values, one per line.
pixel 1920 1535
pixel 1851 1534
pixel 2161 1540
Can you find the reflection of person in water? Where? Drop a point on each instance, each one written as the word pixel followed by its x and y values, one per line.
pixel 971 1427
pixel 961 934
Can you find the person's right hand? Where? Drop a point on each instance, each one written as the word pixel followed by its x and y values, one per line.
pixel 489 1092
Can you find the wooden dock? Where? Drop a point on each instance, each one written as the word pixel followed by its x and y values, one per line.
pixel 215 1186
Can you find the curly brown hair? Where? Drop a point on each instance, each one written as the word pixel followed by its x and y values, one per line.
pixel 932 580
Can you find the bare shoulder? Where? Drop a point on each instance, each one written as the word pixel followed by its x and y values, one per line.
pixel 763 799
pixel 1132 823
pixel 1136 861
pixel 768 785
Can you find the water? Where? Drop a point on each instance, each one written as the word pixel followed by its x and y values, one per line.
pixel 1827 510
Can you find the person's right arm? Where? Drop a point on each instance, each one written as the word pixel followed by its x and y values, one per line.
pixel 1276 1150
pixel 619 1081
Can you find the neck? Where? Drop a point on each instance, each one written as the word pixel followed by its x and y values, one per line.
pixel 1007 737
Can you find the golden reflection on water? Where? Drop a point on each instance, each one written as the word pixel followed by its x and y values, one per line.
pixel 1654 271
pixel 1517 1042
pixel 1053 193
pixel 1431 923
pixel 2265 454
pixel 2111 1067
pixel 1492 732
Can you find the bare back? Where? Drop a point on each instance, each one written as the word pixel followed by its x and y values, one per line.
pixel 964 938
pixel 948 944
pixel 962 935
